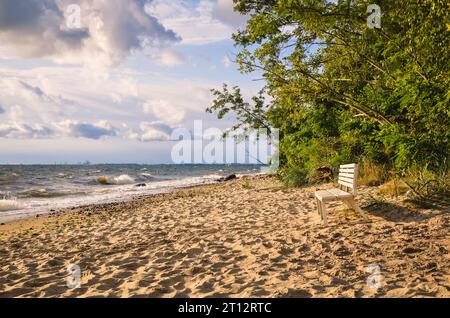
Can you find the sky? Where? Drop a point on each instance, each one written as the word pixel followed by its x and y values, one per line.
pixel 108 81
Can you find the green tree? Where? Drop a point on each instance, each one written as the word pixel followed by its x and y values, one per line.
pixel 341 90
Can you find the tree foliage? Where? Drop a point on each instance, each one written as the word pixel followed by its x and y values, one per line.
pixel 340 90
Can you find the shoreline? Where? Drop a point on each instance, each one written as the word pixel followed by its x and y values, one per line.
pixel 35 219
pixel 249 237
pixel 118 199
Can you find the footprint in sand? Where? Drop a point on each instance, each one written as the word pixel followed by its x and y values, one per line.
pixel 295 293
pixel 17 292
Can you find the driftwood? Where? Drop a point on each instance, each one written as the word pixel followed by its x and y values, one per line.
pixel 227 178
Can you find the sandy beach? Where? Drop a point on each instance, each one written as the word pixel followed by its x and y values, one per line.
pixel 244 238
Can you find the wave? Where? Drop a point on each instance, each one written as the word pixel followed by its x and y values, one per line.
pixel 44 193
pixel 9 205
pixel 145 176
pixel 64 176
pixel 120 180
pixel 9 178
pixel 39 193
pixel 195 180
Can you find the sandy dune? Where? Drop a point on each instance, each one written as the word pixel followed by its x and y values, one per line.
pixel 226 240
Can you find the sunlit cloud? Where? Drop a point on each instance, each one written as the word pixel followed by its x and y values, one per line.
pixel 163 110
pixel 217 19
pixel 168 57
pixel 132 71
pixel 24 131
pixel 87 130
pixel 155 131
pixel 226 61
pixel 224 12
pixel 109 31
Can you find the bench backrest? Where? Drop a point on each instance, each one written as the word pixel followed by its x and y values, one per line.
pixel 348 174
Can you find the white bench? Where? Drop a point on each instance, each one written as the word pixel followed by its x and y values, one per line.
pixel 346 192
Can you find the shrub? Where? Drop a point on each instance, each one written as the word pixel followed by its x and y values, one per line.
pixel 294 176
pixel 372 174
pixel 247 186
pixel 425 182
pixel 394 188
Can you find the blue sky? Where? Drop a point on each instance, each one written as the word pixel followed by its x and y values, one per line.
pixel 111 85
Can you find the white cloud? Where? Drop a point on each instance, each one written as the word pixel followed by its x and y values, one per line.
pixel 125 87
pixel 67 128
pixel 197 24
pixel 110 30
pixel 130 134
pixel 87 130
pixel 24 131
pixel 155 131
pixel 224 12
pixel 29 102
pixel 164 111
pixel 70 112
pixel 168 57
pixel 72 101
pixel 226 61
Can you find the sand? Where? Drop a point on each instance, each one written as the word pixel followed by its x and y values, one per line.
pixel 245 238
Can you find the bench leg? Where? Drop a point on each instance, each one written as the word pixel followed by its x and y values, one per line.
pixel 352 203
pixel 349 204
pixel 324 213
pixel 318 206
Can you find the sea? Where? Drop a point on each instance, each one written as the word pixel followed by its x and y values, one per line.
pixel 30 190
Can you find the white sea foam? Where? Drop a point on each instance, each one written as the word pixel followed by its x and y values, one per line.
pixel 123 179
pixel 119 187
pixel 6 205
pixel 120 180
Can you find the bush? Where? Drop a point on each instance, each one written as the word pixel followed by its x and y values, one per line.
pixel 247 186
pixel 425 182
pixel 294 176
pixel 372 174
pixel 394 188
